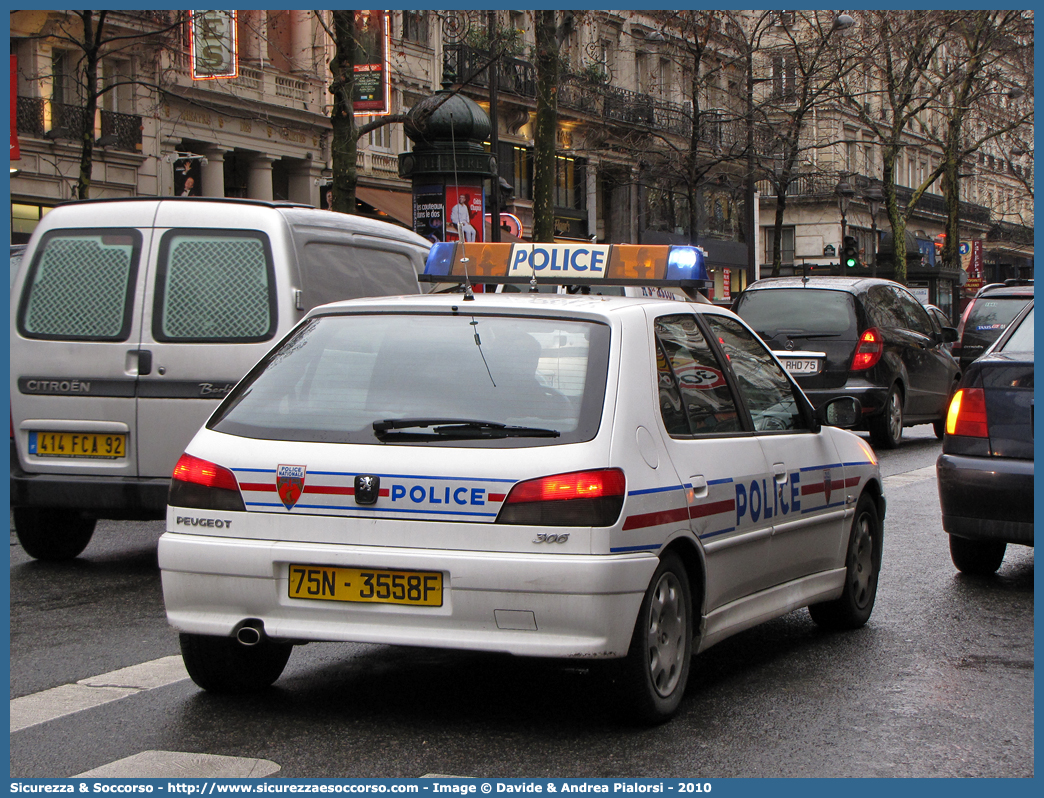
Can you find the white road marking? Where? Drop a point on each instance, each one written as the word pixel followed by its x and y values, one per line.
pixel 909 477
pixel 95 691
pixel 179 765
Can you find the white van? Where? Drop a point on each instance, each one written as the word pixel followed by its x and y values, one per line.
pixel 130 318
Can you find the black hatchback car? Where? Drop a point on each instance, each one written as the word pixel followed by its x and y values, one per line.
pixel 863 337
pixel 988 315
pixel 985 470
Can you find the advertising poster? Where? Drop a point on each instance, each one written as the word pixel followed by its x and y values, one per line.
pixel 187 178
pixel 371 96
pixel 465 212
pixel 427 213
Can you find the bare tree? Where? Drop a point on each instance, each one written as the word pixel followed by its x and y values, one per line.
pixel 986 81
pixel 92 36
pixel 549 35
pixel 891 88
pixel 805 69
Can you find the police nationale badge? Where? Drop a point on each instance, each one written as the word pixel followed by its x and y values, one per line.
pixel 290 481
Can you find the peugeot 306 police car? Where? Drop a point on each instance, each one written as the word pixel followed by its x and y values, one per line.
pixel 618 478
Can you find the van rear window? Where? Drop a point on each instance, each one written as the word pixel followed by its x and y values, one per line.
pixel 79 286
pixel 214 286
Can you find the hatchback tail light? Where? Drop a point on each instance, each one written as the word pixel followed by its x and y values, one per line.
pixel 869 350
pixel 580 498
pixel 204 485
pixel 967 414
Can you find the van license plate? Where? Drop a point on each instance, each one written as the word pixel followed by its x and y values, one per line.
pixel 802 365
pixel 369 585
pixel 91 445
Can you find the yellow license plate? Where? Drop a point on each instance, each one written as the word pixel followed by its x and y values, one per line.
pixel 109 446
pixel 370 585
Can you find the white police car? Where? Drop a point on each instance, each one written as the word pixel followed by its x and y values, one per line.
pixel 559 476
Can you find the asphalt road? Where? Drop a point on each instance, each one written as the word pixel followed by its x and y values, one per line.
pixel 939 683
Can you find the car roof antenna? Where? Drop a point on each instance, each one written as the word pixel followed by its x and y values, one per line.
pixel 469 295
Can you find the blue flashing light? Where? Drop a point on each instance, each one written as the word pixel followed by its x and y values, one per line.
pixel 440 259
pixel 686 263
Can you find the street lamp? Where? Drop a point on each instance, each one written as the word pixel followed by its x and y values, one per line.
pixel 874 201
pixel 844 192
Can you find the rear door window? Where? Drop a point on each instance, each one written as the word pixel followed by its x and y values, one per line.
pixel 695 398
pixel 80 286
pixel 214 286
pixel 914 313
pixel 769 394
pixel 885 308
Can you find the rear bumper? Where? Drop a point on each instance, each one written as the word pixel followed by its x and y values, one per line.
pixel 531 605
pixel 986 498
pixel 103 497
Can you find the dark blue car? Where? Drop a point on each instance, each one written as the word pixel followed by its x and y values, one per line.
pixel 986 468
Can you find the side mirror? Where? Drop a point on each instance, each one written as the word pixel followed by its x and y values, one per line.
pixel 843 411
pixel 949 335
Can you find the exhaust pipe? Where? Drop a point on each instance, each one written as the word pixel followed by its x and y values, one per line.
pixel 251 633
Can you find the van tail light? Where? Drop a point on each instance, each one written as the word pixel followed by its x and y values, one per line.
pixel 967 414
pixel 869 350
pixel 204 485
pixel 580 498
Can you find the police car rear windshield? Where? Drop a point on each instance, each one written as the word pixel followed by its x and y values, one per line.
pixel 340 375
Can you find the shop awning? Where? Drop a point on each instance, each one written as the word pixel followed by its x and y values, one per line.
pixel 397 204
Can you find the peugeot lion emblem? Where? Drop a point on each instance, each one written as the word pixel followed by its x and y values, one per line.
pixel 367 489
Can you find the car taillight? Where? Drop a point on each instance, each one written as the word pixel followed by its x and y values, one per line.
pixel 967 414
pixel 580 498
pixel 204 485
pixel 868 351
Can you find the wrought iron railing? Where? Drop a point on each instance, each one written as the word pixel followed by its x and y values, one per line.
pixel 70 121
pixel 823 185
pixel 125 128
pixel 120 131
pixel 31 116
pixel 470 66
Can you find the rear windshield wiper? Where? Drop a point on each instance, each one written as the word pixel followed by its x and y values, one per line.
pixel 454 428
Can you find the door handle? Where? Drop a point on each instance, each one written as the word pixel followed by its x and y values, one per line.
pixel 699 486
pixel 144 362
pixel 779 471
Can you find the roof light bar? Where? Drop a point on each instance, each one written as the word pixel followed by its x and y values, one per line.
pixel 567 264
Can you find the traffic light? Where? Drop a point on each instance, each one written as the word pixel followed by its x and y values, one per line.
pixel 850 253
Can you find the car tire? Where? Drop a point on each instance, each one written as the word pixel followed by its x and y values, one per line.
pixel 52 534
pixel 862 568
pixel 224 665
pixel 977 557
pixel 886 428
pixel 653 677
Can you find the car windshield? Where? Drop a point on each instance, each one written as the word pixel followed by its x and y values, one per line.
pixel 804 311
pixel 1021 339
pixel 449 376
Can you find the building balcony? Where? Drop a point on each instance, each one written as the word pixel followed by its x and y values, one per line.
pixel 300 92
pixel 71 122
pixel 821 186
pixel 470 65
